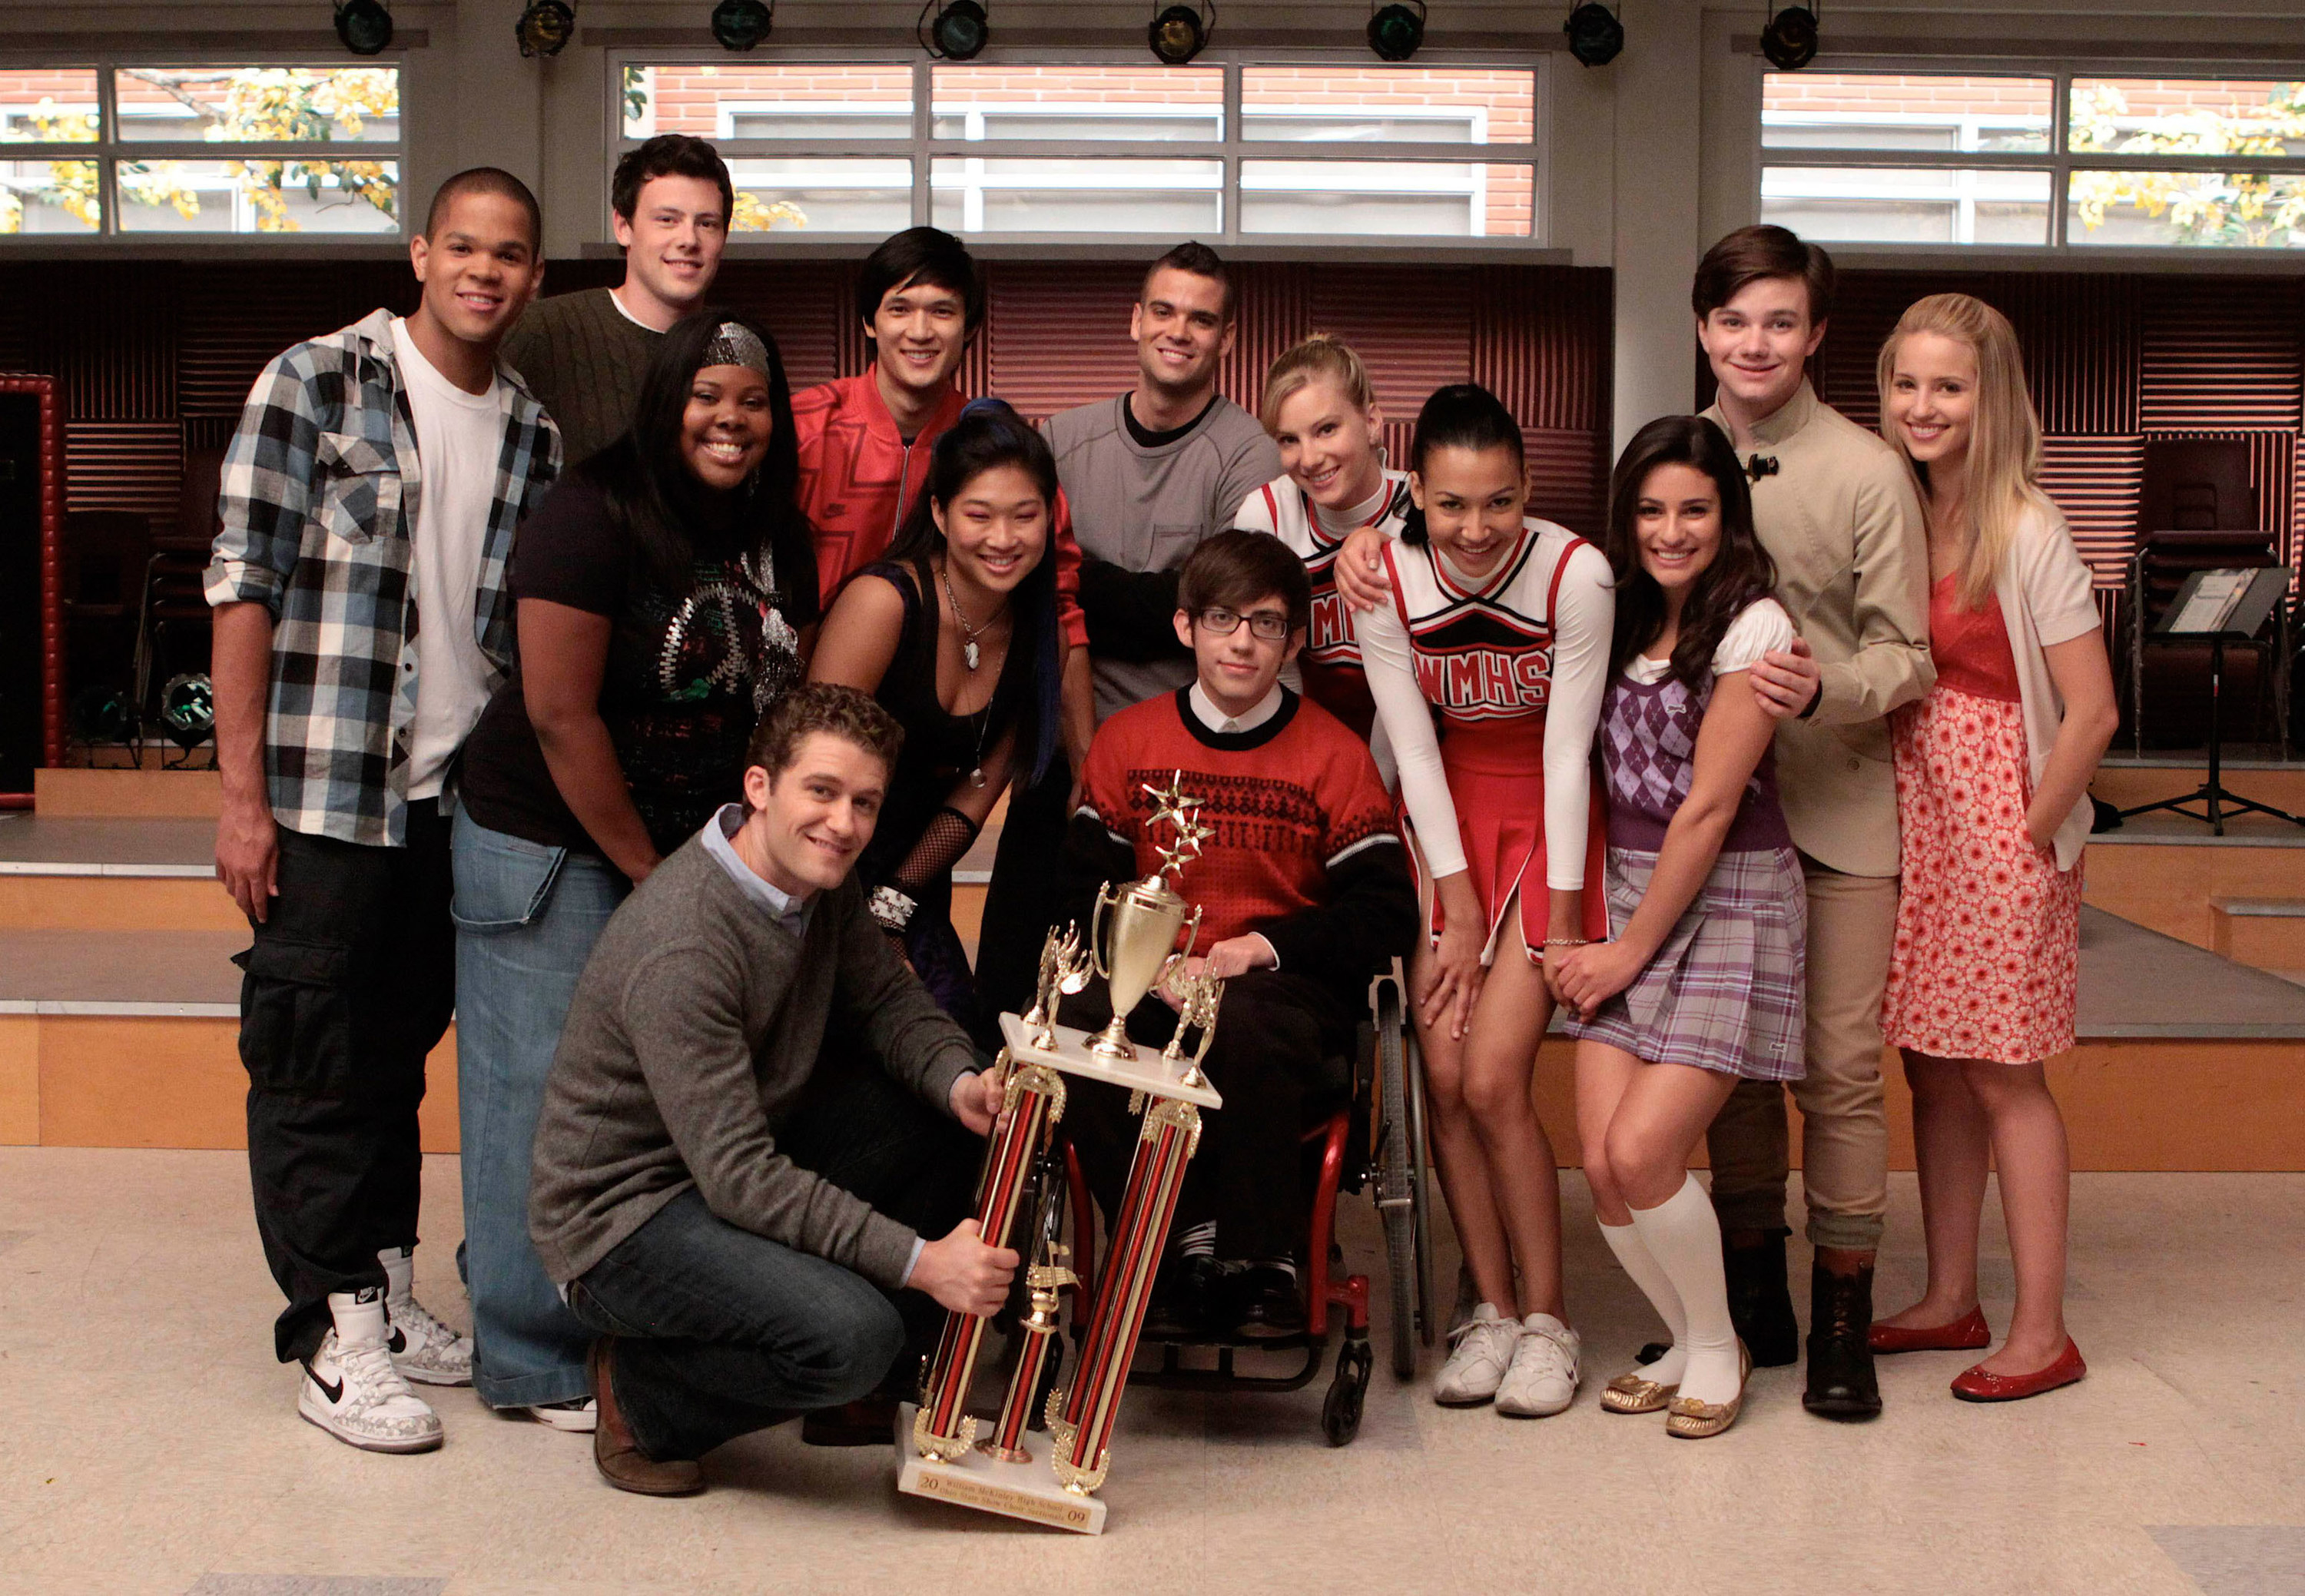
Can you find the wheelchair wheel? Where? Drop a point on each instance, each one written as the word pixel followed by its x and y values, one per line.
pixel 1400 1156
pixel 1420 1167
pixel 1341 1410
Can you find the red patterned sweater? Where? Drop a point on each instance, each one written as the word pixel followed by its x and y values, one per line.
pixel 1305 852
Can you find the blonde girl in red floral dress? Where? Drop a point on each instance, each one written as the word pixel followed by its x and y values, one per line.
pixel 1993 771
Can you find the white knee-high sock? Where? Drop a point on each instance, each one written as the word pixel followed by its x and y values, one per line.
pixel 1685 1239
pixel 1633 1253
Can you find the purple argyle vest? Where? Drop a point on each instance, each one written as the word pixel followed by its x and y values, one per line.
pixel 1648 750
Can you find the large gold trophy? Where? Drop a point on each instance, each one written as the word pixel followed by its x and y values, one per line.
pixel 1139 938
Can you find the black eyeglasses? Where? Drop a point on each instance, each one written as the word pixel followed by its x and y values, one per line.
pixel 1268 624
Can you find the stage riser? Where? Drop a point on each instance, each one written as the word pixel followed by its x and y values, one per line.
pixel 115 903
pixel 2168 889
pixel 69 1080
pixel 2125 786
pixel 2268 942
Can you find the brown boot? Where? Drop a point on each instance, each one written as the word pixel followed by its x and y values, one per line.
pixel 618 1456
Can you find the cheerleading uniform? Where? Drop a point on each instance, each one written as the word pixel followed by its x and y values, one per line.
pixel 1514 663
pixel 1331 660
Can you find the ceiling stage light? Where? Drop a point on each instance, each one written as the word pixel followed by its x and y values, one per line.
pixel 545 28
pixel 959 33
pixel 1180 32
pixel 364 26
pixel 1790 41
pixel 1396 30
pixel 1595 33
pixel 741 24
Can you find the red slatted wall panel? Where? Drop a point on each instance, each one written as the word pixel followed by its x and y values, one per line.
pixel 2096 482
pixel 123 466
pixel 2219 353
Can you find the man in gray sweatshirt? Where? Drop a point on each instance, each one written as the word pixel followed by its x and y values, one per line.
pixel 1147 475
pixel 749 1132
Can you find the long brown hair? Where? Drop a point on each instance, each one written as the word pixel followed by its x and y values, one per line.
pixel 2004 439
pixel 1742 570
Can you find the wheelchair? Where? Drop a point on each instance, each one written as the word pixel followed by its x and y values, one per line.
pixel 1374 1144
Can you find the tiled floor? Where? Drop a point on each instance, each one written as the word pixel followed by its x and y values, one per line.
pixel 148 1444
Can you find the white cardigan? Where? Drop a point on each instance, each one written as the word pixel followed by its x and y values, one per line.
pixel 2046 598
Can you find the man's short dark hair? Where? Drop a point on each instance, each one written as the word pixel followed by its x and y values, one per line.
pixel 828 707
pixel 670 154
pixel 1234 569
pixel 1750 255
pixel 487 179
pixel 1202 261
pixel 928 255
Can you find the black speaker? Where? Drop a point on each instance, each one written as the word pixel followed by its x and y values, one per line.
pixel 29 499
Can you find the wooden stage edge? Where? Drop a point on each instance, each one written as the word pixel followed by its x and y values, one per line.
pixel 2148 1103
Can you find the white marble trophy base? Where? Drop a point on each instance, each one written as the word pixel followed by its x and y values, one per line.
pixel 1026 1490
pixel 1148 1071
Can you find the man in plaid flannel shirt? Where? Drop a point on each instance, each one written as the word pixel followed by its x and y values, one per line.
pixel 361 620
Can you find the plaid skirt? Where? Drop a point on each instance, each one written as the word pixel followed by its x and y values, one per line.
pixel 1727 991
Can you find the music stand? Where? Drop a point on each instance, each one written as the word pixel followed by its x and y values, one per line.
pixel 2218 607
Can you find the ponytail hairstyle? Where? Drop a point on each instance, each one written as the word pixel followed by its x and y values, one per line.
pixel 988 435
pixel 1305 362
pixel 674 520
pixel 1462 416
pixel 2005 439
pixel 1742 571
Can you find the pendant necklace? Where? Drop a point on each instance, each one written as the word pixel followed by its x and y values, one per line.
pixel 968 650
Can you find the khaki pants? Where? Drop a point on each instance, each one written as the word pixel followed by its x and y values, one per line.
pixel 1852 923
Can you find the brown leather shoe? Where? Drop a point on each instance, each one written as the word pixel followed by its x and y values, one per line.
pixel 870 1421
pixel 616 1455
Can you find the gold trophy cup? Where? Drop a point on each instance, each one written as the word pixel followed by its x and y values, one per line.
pixel 1134 933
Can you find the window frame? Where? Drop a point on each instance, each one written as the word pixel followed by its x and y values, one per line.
pixel 2059 161
pixel 109 149
pixel 922 148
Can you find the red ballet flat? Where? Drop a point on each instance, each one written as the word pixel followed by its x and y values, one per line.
pixel 1976 1385
pixel 1964 1335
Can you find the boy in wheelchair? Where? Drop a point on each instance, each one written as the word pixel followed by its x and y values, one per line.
pixel 1305 894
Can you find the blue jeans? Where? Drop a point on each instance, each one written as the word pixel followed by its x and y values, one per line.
pixel 721 1332
pixel 526 917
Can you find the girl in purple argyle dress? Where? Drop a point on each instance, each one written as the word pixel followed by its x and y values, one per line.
pixel 1700 984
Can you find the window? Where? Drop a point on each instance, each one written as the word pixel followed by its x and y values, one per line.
pixel 116 148
pixel 1889 158
pixel 1023 151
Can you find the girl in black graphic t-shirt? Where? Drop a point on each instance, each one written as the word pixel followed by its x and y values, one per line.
pixel 667 591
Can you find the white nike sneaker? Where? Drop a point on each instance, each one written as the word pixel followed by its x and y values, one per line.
pixel 423 1348
pixel 1543 1378
pixel 1476 1367
pixel 352 1391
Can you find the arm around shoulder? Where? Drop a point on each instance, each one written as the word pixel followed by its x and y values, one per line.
pixel 1889 627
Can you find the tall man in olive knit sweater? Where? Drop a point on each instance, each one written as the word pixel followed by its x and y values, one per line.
pixel 749 1230
pixel 584 353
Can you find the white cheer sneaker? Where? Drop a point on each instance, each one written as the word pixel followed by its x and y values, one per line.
pixel 1543 1378
pixel 423 1348
pixel 352 1391
pixel 1485 1350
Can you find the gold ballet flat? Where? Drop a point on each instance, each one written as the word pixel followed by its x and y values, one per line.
pixel 1632 1393
pixel 1689 1420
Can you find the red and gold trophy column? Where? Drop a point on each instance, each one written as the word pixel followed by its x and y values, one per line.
pixel 1082 1422
pixel 1033 1102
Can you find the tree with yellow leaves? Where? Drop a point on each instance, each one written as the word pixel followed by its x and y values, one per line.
pixel 249 104
pixel 2235 207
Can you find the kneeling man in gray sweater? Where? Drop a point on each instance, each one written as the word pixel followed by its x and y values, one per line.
pixel 756 1118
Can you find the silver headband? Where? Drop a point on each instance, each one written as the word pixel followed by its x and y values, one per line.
pixel 733 343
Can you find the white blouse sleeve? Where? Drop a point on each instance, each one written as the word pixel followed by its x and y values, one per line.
pixel 1407 721
pixel 1761 627
pixel 1584 614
